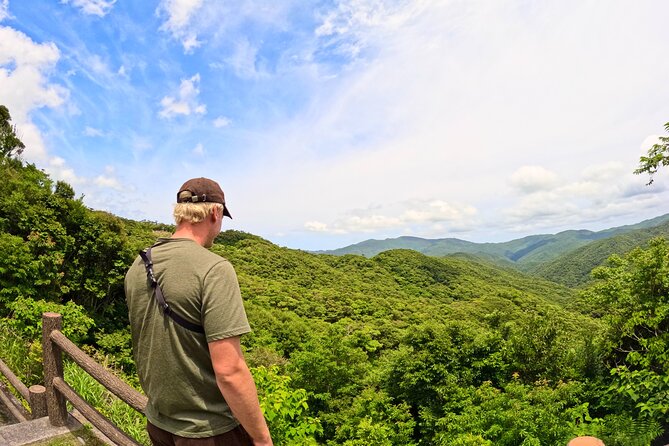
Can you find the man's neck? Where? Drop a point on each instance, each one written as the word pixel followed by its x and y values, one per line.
pixel 193 232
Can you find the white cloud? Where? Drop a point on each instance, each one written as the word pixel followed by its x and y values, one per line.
pixel 191 42
pixel 141 143
pixel 198 150
pixel 108 182
pixel 4 10
pixel 99 8
pixel 316 226
pixel 97 65
pixel 186 102
pixel 222 121
pixel 93 132
pixel 417 216
pixel 600 191
pixel 25 67
pixel 179 15
pixel 530 179
pixel 59 170
pixel 243 60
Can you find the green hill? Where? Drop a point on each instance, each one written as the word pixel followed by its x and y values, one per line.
pixel 525 253
pixel 573 268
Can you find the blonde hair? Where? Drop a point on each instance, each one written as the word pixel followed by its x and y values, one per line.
pixel 194 212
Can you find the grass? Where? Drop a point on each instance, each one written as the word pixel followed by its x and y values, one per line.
pixel 117 411
pixel 83 437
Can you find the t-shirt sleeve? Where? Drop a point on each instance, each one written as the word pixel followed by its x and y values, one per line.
pixel 223 314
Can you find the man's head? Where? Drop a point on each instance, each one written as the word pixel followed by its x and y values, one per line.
pixel 586 441
pixel 198 198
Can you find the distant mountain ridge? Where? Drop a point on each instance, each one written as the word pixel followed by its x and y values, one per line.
pixel 573 267
pixel 524 253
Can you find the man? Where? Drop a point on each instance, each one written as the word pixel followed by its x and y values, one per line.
pixel 185 328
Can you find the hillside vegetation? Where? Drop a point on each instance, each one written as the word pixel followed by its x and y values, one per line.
pixel 573 268
pixel 526 254
pixel 398 349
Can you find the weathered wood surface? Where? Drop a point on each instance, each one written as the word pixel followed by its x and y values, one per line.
pixel 96 418
pixel 37 401
pixel 53 368
pixel 13 406
pixel 13 380
pixel 115 385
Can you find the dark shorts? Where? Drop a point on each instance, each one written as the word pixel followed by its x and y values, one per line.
pixel 235 437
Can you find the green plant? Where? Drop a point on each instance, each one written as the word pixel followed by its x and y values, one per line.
pixel 285 409
pixel 118 412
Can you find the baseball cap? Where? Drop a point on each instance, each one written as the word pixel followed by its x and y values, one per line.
pixel 202 190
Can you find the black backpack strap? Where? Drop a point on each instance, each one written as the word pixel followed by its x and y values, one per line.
pixel 158 293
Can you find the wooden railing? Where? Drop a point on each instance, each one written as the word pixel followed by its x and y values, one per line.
pixel 35 396
pixel 54 343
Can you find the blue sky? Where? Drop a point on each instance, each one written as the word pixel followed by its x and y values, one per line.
pixel 331 122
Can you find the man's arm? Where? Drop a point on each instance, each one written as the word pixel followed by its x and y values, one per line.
pixel 236 384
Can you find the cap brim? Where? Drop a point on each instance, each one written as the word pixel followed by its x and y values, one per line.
pixel 226 213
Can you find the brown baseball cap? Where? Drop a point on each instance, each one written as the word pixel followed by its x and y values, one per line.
pixel 202 190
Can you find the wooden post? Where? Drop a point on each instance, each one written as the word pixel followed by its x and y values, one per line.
pixel 37 401
pixel 53 367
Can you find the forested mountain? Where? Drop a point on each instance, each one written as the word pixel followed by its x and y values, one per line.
pixel 525 253
pixel 573 268
pixel 398 349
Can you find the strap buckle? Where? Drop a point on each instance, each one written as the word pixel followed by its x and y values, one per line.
pixel 167 310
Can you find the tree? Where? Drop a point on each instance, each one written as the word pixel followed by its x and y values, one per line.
pixel 658 155
pixel 10 144
pixel 632 294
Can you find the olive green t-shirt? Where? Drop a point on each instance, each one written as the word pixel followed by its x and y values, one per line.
pixel 173 363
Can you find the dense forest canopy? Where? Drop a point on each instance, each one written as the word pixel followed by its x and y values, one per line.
pixel 398 349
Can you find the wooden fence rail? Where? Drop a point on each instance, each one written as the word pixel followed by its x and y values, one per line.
pixel 54 343
pixel 35 396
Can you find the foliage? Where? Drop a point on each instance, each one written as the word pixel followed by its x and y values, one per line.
pixel 632 296
pixel 518 414
pixel 10 144
pixel 373 419
pixel 26 318
pixel 623 430
pixel 116 410
pixel 658 155
pixel 285 409
pixel 23 357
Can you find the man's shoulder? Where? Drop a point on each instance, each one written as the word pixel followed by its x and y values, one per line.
pixel 189 251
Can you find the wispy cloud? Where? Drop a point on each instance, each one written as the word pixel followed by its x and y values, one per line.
pixel 530 179
pixel 99 8
pixel 198 150
pixel 221 122
pixel 90 131
pixel 179 17
pixel 108 180
pixel 417 216
pixel 186 101
pixel 4 10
